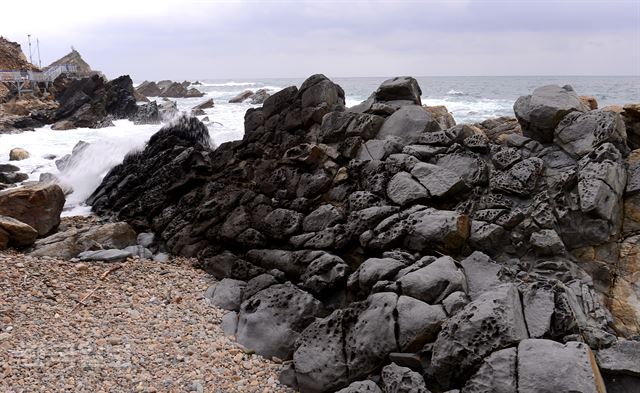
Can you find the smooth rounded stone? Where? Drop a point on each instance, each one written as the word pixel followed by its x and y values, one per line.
pixel 497 374
pixel 146 239
pixel 418 323
pixel 540 112
pixel 547 242
pixel 13 177
pixel 546 366
pixel 579 133
pixel 408 123
pixel 481 272
pixel 68 244
pixel 404 88
pixel 373 270
pixel 361 387
pixel 105 255
pixel 323 217
pixel 282 223
pixel 439 181
pixel 622 358
pixel 257 284
pixel 18 233
pixel 271 320
pixel 18 154
pixel 396 379
pixel 434 282
pixel 161 257
pixel 228 294
pixel 140 251
pixel 491 322
pixel 445 230
pixel 403 189
pixel 229 323
pixel 37 205
pixel 8 168
pixel 455 302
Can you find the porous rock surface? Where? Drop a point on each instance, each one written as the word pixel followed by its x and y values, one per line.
pixel 376 233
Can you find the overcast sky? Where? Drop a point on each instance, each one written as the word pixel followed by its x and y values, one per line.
pixel 195 39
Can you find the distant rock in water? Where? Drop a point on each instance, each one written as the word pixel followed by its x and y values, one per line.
pixel 482 256
pixel 168 89
pixel 248 95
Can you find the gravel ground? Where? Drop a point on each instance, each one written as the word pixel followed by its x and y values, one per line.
pixel 146 328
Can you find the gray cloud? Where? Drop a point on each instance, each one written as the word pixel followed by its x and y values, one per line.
pixel 231 39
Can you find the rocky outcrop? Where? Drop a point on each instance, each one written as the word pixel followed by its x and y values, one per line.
pixel 256 98
pixel 168 89
pixel 38 206
pixel 83 69
pixel 379 234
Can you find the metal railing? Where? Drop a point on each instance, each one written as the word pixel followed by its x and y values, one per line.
pixel 49 75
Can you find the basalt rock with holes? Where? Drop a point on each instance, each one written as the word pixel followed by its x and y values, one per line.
pixel 379 248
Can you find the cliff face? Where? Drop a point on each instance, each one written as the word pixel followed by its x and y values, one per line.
pixel 76 59
pixel 12 57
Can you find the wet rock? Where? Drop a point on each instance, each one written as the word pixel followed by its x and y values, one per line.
pixel 241 97
pixel 540 112
pixel 396 379
pixel 38 206
pixel 6 168
pixel 491 322
pixel 13 177
pixel 285 309
pixel 18 154
pixel 497 374
pixel 547 366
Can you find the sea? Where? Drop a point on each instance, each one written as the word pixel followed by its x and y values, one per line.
pixel 469 98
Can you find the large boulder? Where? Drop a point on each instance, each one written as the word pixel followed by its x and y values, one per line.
pixel 403 88
pixel 408 123
pixel 580 133
pixel 70 243
pixel 491 322
pixel 149 89
pixel 396 379
pixel 121 100
pixel 18 154
pixel 270 321
pixel 497 374
pixel 540 112
pixel 38 206
pixel 16 233
pixel 546 366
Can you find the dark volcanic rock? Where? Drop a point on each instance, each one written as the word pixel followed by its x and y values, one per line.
pixel 441 249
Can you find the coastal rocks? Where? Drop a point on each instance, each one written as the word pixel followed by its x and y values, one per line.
pixel 578 134
pixel 545 366
pixel 540 112
pixel 241 97
pixel 491 322
pixel 18 154
pixel 70 243
pixel 121 101
pixel 408 123
pixel 204 105
pixel 285 309
pixel 404 88
pixel 439 250
pixel 178 90
pixel 105 255
pixel 622 358
pixel 15 233
pixel 149 89
pixel 442 115
pixel 36 205
pixel 12 177
pixel 396 379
